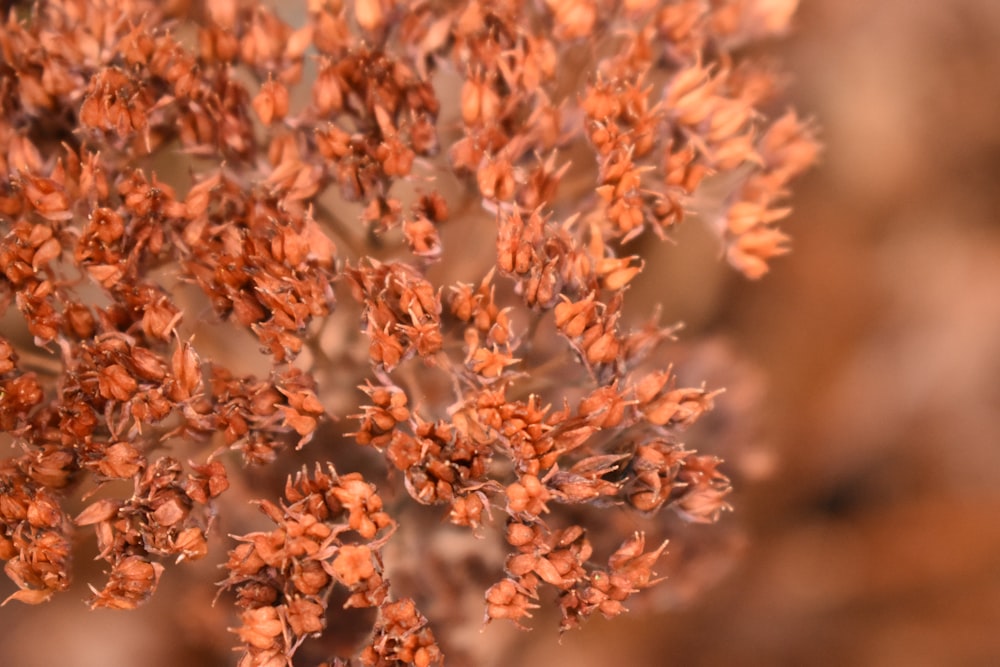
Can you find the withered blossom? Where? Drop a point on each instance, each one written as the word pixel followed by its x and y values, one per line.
pixel 96 251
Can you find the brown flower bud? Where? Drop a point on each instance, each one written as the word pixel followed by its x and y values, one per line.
pixel 262 627
pixel 186 369
pixel 496 179
pixel 369 14
pixel 506 600
pixel 479 102
pixel 527 495
pixel 147 365
pixel 120 461
pixel 353 564
pixel 310 578
pixel 271 102
pixel 116 383
pixel 305 617
pixel 170 512
pixel 191 543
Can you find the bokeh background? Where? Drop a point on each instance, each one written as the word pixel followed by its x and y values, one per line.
pixel 866 528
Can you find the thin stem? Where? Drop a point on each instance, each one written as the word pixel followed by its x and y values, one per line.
pixel 35 361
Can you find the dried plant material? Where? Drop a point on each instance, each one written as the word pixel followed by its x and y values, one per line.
pixel 457 386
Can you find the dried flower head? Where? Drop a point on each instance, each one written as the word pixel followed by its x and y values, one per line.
pixel 346 153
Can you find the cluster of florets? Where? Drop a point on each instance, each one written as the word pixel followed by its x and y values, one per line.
pixel 412 117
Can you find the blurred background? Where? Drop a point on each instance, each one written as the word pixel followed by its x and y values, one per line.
pixel 865 528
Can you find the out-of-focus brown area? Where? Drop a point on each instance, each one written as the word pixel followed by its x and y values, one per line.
pixel 867 514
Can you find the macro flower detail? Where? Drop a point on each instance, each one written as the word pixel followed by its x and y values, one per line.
pixel 394 238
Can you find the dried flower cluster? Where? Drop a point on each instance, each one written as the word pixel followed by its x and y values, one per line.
pixel 366 109
pixel 285 577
